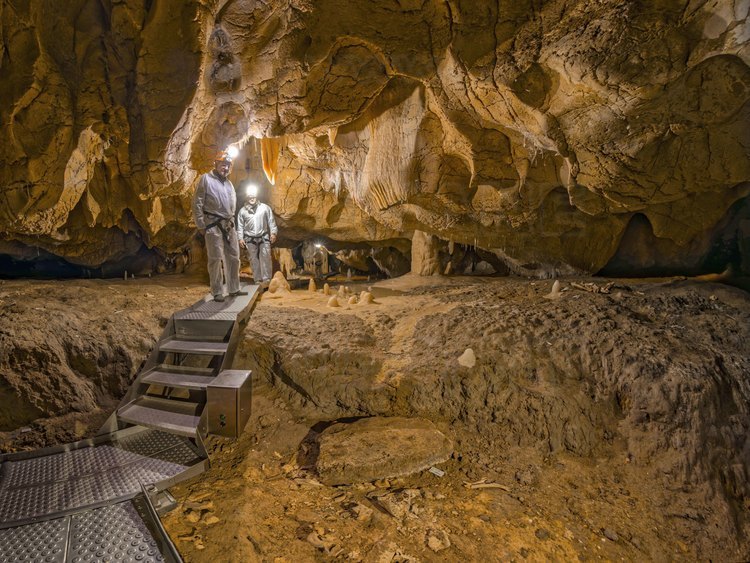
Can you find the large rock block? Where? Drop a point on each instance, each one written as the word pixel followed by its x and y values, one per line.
pixel 378 448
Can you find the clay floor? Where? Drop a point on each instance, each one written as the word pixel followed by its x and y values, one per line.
pixel 591 426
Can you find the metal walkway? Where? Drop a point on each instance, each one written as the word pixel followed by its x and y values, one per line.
pixel 94 500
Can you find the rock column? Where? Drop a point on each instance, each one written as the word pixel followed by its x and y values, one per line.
pixel 424 254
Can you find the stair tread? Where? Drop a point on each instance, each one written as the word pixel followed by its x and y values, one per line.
pixel 193 346
pixel 174 417
pixel 183 380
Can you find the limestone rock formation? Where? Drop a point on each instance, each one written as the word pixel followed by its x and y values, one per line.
pixel 549 133
pixel 379 448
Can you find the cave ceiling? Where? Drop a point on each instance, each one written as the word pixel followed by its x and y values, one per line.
pixel 536 130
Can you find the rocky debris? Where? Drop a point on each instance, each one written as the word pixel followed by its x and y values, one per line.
pixel 437 540
pixel 468 359
pixel 391 553
pixel 593 287
pixel 401 504
pixel 378 448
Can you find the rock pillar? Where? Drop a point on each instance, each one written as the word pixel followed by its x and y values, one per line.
pixel 424 254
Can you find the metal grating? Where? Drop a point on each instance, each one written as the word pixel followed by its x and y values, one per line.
pixel 59 483
pixel 68 465
pixel 149 442
pixel 221 311
pixel 41 541
pixel 206 316
pixel 123 532
pixel 112 533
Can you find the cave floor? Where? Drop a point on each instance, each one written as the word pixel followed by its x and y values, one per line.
pixel 497 500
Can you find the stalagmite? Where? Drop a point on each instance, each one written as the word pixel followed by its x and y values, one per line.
pixel 366 297
pixel 333 302
pixel 278 283
pixel 326 289
pixel 555 293
pixel 311 287
pixel 353 300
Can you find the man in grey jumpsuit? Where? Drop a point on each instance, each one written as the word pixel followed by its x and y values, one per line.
pixel 257 230
pixel 214 204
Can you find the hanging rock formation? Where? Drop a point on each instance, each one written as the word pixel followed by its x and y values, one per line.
pixel 536 131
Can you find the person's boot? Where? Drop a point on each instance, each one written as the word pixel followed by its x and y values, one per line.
pixel 238 292
pixel 218 297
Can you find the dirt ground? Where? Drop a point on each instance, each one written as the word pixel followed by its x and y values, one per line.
pixel 591 426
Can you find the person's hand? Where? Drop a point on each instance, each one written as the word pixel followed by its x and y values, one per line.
pixel 242 244
pixel 273 239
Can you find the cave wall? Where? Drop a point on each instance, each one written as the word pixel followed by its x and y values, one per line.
pixel 534 130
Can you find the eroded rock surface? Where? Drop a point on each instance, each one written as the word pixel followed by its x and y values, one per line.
pixel 537 131
pixel 74 346
pixel 379 448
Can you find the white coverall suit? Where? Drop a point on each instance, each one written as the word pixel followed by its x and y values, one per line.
pixel 256 225
pixel 214 204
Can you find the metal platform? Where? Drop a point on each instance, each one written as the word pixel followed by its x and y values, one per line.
pixel 125 531
pixel 90 500
pixel 78 476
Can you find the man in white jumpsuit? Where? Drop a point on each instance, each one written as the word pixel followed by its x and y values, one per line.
pixel 257 230
pixel 214 204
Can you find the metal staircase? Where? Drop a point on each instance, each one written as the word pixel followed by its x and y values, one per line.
pixel 91 500
pixel 186 386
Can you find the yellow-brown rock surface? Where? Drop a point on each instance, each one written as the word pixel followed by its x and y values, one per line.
pixel 534 130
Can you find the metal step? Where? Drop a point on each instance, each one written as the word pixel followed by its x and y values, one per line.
pixel 176 417
pixel 204 347
pixel 200 328
pixel 179 376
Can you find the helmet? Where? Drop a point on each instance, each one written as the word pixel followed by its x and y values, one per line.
pixel 223 156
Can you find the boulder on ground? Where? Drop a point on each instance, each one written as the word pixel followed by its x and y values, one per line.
pixel 378 448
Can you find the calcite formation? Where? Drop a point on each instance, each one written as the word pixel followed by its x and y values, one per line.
pixel 540 132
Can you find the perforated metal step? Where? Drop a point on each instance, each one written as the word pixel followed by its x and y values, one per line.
pixel 180 346
pixel 180 377
pixel 176 417
pixel 230 309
